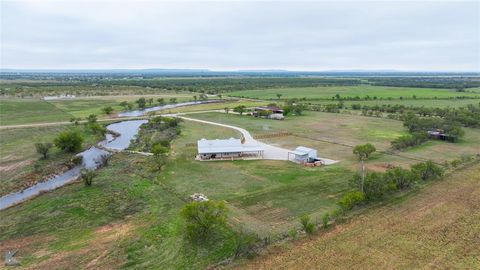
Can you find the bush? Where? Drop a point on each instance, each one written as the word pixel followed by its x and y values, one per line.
pixel 87 176
pixel 307 225
pixel 244 244
pixel 325 220
pixel 351 199
pixel 204 219
pixel 159 149
pixel 375 185
pixel 43 148
pixel 69 141
pixel 409 140
pixel 107 109
pixel 427 170
pixel 401 178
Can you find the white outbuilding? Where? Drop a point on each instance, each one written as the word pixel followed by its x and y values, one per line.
pixel 303 154
pixel 227 149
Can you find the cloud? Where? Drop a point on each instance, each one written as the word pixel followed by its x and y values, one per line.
pixel 230 35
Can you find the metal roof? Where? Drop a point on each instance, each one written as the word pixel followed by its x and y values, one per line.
pixel 231 145
pixel 303 150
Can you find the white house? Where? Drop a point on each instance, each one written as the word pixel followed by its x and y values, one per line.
pixel 227 149
pixel 303 154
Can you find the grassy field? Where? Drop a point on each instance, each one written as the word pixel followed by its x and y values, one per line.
pixel 131 213
pixel 27 110
pixel 18 156
pixel 22 111
pixel 437 228
pixel 334 135
pixel 352 91
pixel 430 103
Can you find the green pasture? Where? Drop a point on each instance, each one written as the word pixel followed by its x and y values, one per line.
pixel 18 155
pixel 362 91
pixel 24 111
pixel 430 103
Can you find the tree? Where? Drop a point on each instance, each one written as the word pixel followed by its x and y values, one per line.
pixel 159 149
pixel 195 98
pixel 87 176
pixel 363 152
pixel 124 104
pixel 159 161
pixel 107 109
pixel 219 96
pixel 240 109
pixel 43 148
pixel 279 96
pixel 150 101
pixel 69 141
pixel 161 101
pixel 173 100
pixel 91 119
pixel 427 170
pixel 226 109
pixel 401 178
pixel 141 102
pixel 204 219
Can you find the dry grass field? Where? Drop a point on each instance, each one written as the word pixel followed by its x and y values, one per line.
pixel 437 228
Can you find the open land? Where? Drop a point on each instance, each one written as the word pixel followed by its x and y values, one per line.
pixel 130 217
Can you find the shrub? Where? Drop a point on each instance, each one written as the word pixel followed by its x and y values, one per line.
pixel 375 185
pixel 307 225
pixel 107 109
pixel 244 244
pixel 325 220
pixel 43 148
pixel 87 176
pixel 409 140
pixel 351 199
pixel 204 219
pixel 401 178
pixel 427 170
pixel 69 141
pixel 159 149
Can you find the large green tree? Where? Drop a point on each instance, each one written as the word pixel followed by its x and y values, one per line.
pixel 204 219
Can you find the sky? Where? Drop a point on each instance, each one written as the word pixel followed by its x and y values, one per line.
pixel 241 35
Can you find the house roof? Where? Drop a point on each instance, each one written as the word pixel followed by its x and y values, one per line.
pixel 270 108
pixel 231 145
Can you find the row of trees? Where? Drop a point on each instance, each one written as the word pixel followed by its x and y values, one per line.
pixel 375 186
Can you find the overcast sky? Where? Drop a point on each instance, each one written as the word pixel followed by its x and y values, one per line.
pixel 414 35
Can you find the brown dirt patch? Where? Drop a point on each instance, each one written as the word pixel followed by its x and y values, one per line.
pixel 99 253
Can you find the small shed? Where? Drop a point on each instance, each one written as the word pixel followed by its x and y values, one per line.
pixel 303 154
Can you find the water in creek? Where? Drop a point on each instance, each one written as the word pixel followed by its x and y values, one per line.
pixel 164 107
pixel 92 159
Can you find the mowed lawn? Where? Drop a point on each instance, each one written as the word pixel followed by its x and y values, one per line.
pixel 267 196
pixel 352 91
pixel 25 111
pixel 437 228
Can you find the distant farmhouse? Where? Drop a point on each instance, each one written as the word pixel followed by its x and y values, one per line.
pixel 227 149
pixel 270 112
pixel 440 135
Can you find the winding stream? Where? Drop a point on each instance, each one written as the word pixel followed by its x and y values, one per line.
pixel 92 157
